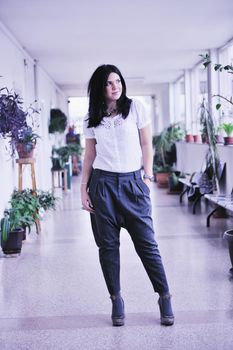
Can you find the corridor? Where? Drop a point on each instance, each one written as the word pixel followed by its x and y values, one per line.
pixel 53 296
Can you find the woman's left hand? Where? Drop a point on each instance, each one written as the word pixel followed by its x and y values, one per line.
pixel 147 182
pixel 86 200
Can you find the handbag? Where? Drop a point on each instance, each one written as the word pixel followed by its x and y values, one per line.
pixel 203 181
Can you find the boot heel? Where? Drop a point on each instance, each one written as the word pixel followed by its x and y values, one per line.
pixel 118 314
pixel 166 313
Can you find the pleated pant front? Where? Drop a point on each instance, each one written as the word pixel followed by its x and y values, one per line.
pixel 123 200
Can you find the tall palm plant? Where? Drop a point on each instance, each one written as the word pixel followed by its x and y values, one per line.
pixel 212 157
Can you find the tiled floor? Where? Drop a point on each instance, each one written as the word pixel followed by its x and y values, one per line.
pixel 53 296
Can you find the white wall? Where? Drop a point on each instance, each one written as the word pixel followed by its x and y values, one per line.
pixel 17 69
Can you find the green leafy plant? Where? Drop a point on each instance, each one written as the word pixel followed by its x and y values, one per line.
pixel 64 152
pixel 27 136
pixel 228 128
pixel 58 121
pixel 13 120
pixel 208 129
pixel 29 204
pixel 46 200
pixel 164 145
pixel 14 220
pixel 206 61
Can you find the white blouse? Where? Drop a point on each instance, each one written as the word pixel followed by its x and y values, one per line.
pixel 117 140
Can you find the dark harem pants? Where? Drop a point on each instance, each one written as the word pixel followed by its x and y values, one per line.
pixel 122 200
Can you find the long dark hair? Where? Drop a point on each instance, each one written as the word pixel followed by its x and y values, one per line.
pixel 96 89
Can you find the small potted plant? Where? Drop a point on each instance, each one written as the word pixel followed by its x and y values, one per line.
pixel 12 232
pixel 58 121
pixel 228 129
pixel 165 152
pixel 26 142
pixel 13 121
pixel 46 200
pixel 189 136
pixel 32 204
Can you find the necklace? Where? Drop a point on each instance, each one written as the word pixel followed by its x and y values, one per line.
pixel 111 112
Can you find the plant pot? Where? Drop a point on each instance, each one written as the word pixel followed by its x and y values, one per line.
pixel 189 138
pixel 162 179
pixel 24 150
pixel 197 138
pixel 228 140
pixel 13 244
pixel 204 139
pixel 228 235
pixel 56 164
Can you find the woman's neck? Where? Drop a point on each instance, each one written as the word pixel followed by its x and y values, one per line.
pixel 111 105
pixel 111 109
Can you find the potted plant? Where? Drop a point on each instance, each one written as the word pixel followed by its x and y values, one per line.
pixel 47 200
pixel 71 136
pixel 218 135
pixel 197 138
pixel 26 142
pixel 58 121
pixel 218 67
pixel 228 129
pixel 228 235
pixel 189 137
pixel 212 159
pixel 13 226
pixel 13 120
pixel 30 202
pixel 174 185
pixel 165 152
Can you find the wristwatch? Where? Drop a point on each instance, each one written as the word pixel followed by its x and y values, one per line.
pixel 149 177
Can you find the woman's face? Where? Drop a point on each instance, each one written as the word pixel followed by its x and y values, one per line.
pixel 113 88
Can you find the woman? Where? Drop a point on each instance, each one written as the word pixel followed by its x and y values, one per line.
pixel 118 137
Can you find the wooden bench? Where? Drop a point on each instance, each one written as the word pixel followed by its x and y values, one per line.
pixel 221 201
pixel 187 185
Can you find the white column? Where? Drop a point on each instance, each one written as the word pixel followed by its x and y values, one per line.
pixel 187 94
pixel 213 83
pixel 172 101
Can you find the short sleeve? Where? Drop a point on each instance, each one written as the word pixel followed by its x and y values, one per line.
pixel 88 132
pixel 142 114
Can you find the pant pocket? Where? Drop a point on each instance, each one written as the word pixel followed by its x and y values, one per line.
pixel 143 188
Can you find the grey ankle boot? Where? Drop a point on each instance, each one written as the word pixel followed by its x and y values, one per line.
pixel 166 313
pixel 118 314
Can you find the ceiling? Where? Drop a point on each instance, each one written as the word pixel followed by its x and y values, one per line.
pixel 151 41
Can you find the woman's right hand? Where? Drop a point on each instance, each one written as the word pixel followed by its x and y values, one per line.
pixel 86 201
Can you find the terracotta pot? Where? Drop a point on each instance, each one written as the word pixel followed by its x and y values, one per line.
pixel 197 138
pixel 228 140
pixel 204 139
pixel 25 151
pixel 189 138
pixel 162 179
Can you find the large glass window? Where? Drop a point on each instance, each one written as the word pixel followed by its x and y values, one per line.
pixel 78 108
pixel 226 83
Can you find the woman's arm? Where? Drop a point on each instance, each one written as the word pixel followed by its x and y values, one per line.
pixel 147 150
pixel 89 157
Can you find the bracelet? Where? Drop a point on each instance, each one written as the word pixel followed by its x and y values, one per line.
pixel 148 177
pixel 83 183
